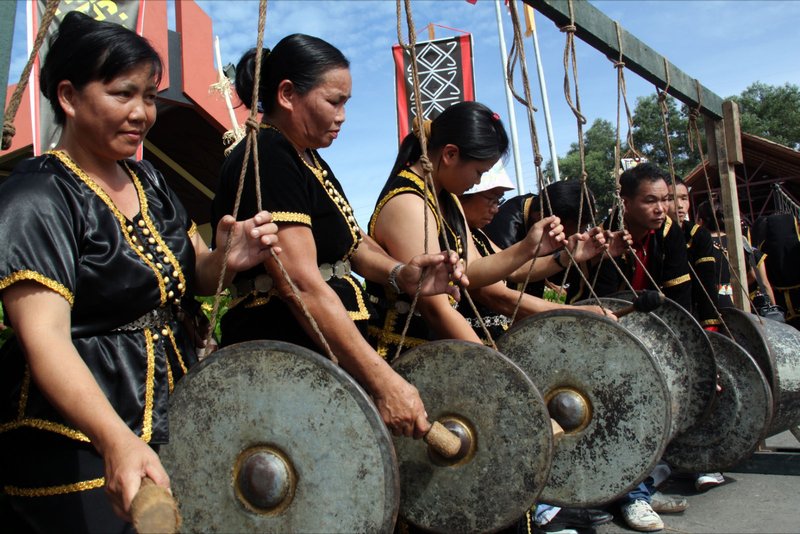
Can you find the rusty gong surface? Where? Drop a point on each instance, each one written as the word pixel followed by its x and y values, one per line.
pixel 623 386
pixel 702 368
pixel 502 411
pixel 739 417
pixel 267 436
pixel 775 346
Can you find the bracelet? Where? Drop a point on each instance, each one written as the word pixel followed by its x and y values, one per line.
pixel 393 277
pixel 557 259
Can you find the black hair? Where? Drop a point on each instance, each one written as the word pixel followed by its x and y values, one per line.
pixel 472 127
pixel 565 201
pixel 629 180
pixel 85 50
pixel 678 181
pixel 301 59
pixel 705 212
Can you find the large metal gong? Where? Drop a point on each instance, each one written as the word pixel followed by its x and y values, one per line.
pixel 506 440
pixel 701 366
pixel 271 437
pixel 738 420
pixel 668 351
pixel 607 392
pixel 775 347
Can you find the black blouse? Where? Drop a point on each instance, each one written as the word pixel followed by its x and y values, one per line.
pixel 295 193
pixel 123 280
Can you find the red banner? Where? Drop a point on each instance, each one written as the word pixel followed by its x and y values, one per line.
pixel 445 78
pixel 129 13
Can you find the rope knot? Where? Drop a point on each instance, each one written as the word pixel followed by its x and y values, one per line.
pixel 537 160
pixel 694 114
pixel 252 124
pixel 427 166
pixel 619 64
pixel 8 134
pixel 568 28
pixel 662 96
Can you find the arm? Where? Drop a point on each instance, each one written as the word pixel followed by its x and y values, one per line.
pixel 252 240
pixel 503 300
pixel 398 401
pixel 41 320
pixel 401 228
pixel 584 247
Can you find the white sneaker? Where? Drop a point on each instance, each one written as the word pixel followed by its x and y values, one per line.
pixel 706 481
pixel 640 516
pixel 667 504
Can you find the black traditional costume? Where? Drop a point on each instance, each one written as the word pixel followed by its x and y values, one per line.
pixel 295 193
pixel 496 323
pixel 123 280
pixel 700 248
pixel 386 326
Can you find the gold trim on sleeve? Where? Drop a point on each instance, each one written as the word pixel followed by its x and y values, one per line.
pixel 49 491
pixel 49 283
pixel 705 259
pixel 291 217
pixel 677 281
pixel 192 230
pixel 710 322
pixel 362 313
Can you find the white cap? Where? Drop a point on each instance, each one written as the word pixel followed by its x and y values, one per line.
pixel 494 178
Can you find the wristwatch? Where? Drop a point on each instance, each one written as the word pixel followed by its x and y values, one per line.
pixel 557 259
pixel 393 277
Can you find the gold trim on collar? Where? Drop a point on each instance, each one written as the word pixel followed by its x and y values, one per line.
pixel 667 225
pixel 49 283
pixel 49 491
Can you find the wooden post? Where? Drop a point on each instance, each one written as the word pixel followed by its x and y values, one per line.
pixel 431 32
pixel 8 11
pixel 723 135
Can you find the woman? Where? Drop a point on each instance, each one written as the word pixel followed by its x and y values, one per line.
pixel 98 254
pixel 305 84
pixel 496 302
pixel 464 142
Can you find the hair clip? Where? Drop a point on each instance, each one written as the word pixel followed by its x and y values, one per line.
pixel 495 117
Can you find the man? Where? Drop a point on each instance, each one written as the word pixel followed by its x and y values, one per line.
pixel 700 249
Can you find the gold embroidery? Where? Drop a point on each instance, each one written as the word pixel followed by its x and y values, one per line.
pixel 192 230
pixel 49 426
pixel 149 385
pixel 694 230
pixel 677 281
pixel 121 219
pixel 526 212
pixel 710 322
pixel 145 213
pixel 169 377
pixel 705 259
pixel 49 283
pixel 178 354
pixel 362 313
pixel 389 196
pixel 291 217
pixel 55 490
pixel 667 225
pixel 391 337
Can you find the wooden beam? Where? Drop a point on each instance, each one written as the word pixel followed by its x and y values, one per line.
pixel 599 31
pixel 733 134
pixel 178 168
pixel 8 11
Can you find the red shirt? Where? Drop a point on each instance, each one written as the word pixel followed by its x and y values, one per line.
pixel 640 280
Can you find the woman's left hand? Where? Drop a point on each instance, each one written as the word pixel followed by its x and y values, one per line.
pixel 438 271
pixel 252 240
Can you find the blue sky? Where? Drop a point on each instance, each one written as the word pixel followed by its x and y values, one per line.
pixel 727 45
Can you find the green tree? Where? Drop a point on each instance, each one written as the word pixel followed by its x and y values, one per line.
pixel 648 134
pixel 599 141
pixel 772 112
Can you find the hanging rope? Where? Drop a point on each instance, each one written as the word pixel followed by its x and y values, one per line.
pixel 252 127
pixel 13 105
pixel 427 167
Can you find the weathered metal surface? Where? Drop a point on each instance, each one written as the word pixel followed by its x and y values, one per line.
pixel 738 420
pixel 289 405
pixel 776 348
pixel 701 367
pixel 626 392
pixel 505 415
pixel 672 359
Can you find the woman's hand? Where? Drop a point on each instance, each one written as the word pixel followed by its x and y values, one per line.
pixel 127 461
pixel 587 245
pixel 252 240
pixel 401 407
pixel 549 232
pixel 440 273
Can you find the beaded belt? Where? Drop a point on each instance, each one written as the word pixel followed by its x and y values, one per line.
pixel 151 319
pixel 263 283
pixel 493 320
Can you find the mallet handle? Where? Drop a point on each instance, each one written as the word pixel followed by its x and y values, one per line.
pixel 154 510
pixel 441 440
